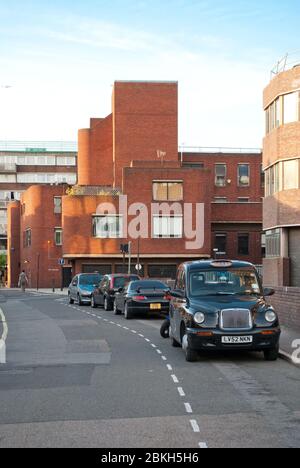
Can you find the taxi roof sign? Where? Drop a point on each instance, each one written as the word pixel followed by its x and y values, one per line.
pixel 221 263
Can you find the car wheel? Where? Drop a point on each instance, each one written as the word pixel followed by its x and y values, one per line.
pixel 175 343
pixel 127 314
pixel 80 303
pixel 93 303
pixel 107 304
pixel 272 354
pixel 71 301
pixel 165 329
pixel 190 354
pixel 116 310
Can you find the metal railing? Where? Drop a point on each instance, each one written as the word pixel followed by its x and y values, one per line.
pixel 219 150
pixel 39 146
pixel 77 190
pixel 290 60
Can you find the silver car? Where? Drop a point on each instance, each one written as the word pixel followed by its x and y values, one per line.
pixel 82 286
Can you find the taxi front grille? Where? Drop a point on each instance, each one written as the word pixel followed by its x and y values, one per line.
pixel 236 319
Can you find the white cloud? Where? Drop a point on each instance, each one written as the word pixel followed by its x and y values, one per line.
pixel 65 82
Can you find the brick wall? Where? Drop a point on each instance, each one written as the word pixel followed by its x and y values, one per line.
pixel 287 303
pixel 145 119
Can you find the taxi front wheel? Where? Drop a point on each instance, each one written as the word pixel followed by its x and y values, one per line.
pixel 190 354
pixel 272 354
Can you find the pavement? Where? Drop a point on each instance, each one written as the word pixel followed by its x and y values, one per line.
pixel 79 377
pixel 290 345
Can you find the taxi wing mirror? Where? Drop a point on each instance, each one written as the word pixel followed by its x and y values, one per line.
pixel 177 294
pixel 269 292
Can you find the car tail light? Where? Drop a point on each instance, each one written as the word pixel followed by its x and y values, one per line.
pixel 168 297
pixel 139 298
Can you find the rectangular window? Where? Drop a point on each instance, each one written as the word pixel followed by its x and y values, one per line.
pixel 267 121
pixel 27 238
pixel 108 226
pixel 262 176
pixel 221 200
pixel 290 107
pixel 168 191
pixel 46 178
pixel 220 175
pixel 267 183
pixel 243 200
pixel 277 112
pixel 167 226
pixel 243 175
pixel 243 244
pixel 58 236
pixel 221 243
pixel 291 174
pixel 57 205
pixel 272 243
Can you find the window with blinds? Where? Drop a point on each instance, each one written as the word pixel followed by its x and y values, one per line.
pixel 167 227
pixel 168 191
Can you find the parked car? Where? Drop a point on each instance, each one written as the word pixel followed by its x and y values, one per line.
pixel 142 297
pixel 82 286
pixel 104 293
pixel 221 305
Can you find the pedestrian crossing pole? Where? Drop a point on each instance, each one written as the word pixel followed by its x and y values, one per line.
pixel 129 257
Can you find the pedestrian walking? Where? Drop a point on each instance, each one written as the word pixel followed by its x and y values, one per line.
pixel 23 281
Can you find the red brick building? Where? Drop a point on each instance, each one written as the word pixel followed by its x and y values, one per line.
pixel 128 165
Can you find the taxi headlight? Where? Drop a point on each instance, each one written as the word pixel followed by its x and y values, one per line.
pixel 199 318
pixel 270 316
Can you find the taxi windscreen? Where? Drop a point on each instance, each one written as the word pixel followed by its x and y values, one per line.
pixel 224 282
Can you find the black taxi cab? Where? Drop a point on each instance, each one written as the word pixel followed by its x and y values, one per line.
pixel 221 304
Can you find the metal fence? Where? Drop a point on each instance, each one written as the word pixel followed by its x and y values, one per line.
pixel 77 190
pixel 220 150
pixel 39 146
pixel 290 60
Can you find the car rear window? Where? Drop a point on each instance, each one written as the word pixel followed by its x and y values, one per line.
pixel 90 279
pixel 121 281
pixel 148 285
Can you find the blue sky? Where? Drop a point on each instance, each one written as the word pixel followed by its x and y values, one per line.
pixel 61 57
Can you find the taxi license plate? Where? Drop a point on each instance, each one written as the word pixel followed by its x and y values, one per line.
pixel 237 339
pixel 155 306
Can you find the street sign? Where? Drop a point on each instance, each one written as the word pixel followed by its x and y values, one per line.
pixel 138 267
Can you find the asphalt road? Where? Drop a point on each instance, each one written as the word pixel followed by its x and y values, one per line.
pixel 79 377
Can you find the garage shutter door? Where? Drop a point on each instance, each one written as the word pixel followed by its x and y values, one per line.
pixel 294 253
pixel 102 269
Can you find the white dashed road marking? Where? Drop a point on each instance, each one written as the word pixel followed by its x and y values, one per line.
pixel 181 392
pixel 194 425
pixel 203 445
pixel 188 408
